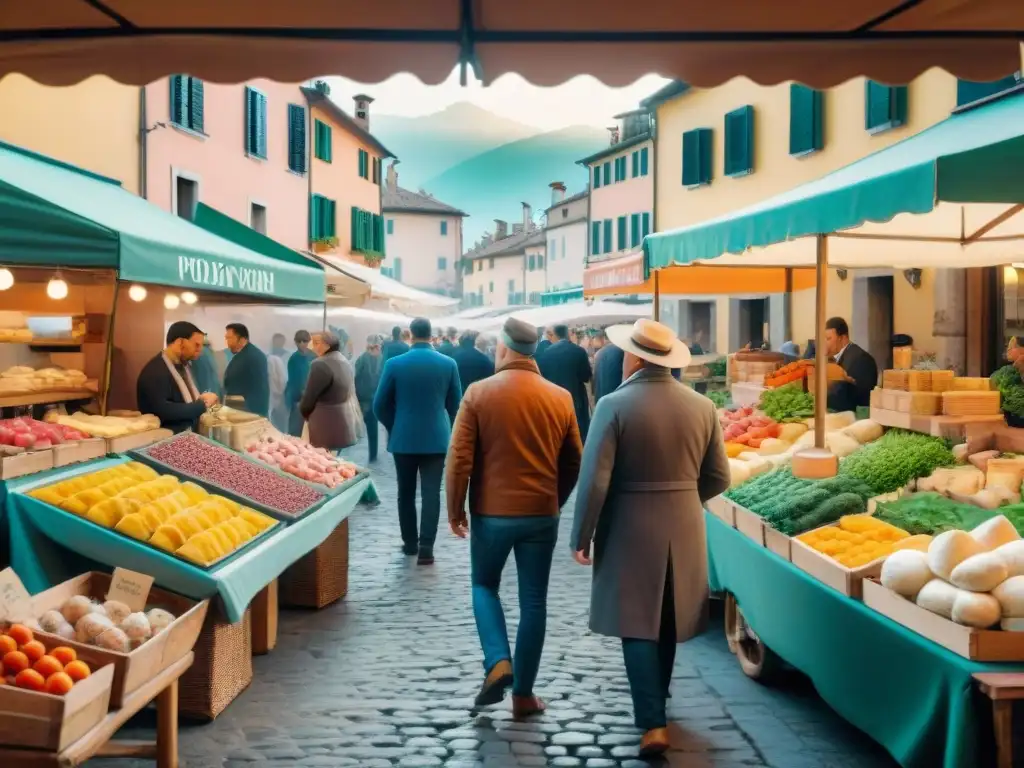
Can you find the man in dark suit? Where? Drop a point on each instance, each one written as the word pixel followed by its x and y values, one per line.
pixel 416 401
pixel 396 346
pixel 448 344
pixel 545 341
pixel 568 366
pixel 473 364
pixel 608 371
pixel 860 367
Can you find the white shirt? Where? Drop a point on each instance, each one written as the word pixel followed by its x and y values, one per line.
pixel 278 378
pixel 839 355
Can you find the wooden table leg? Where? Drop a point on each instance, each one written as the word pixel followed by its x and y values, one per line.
pixel 1002 716
pixel 264 620
pixel 167 727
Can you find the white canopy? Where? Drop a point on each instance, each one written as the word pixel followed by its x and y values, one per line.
pixel 597 313
pixel 384 287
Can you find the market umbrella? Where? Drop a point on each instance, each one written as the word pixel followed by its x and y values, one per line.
pixel 59 42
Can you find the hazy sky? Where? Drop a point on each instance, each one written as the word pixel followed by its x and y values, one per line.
pixel 580 101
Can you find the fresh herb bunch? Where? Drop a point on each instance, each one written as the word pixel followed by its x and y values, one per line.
pixel 895 459
pixel 786 403
pixel 717 368
pixel 719 398
pixel 933 513
pixel 1008 381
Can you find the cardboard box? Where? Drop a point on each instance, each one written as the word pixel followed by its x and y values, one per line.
pixel 723 509
pixel 994 436
pixel 77 452
pixel 778 542
pixel 749 524
pixel 971 643
pixel 27 463
pixel 830 572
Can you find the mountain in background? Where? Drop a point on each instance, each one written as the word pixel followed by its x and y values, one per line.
pixel 428 146
pixel 493 184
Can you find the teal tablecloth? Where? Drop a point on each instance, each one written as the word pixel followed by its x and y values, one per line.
pixel 48 546
pixel 912 696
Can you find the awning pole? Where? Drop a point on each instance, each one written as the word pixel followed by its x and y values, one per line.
pixel 820 355
pixel 787 307
pixel 657 298
pixel 109 352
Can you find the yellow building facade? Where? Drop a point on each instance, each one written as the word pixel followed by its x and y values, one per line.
pixel 843 139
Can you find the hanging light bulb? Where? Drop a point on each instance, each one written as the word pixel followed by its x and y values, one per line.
pixel 57 289
pixel 6 279
pixel 171 301
pixel 189 298
pixel 137 292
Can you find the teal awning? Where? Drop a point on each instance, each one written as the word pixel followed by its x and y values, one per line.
pixel 948 196
pixel 54 215
pixel 561 296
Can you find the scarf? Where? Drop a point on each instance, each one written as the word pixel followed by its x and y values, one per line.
pixel 186 386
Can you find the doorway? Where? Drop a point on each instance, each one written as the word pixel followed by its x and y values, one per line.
pixel 878 319
pixel 700 331
pixel 752 322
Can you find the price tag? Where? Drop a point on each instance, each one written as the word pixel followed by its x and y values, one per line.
pixel 130 588
pixel 15 601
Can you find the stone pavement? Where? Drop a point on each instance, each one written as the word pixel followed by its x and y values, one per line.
pixel 385 679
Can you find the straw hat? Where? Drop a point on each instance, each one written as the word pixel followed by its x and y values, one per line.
pixel 651 341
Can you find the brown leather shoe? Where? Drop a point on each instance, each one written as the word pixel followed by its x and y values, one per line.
pixel 527 706
pixel 498 680
pixel 654 742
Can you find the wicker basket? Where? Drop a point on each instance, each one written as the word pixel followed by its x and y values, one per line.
pixel 222 668
pixel 320 577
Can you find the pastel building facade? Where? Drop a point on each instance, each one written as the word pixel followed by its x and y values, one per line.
pixel 506 268
pixel 566 232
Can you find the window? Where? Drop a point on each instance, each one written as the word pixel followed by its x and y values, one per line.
pixel 645 225
pixel 531 262
pixel 643 161
pixel 442 264
pixel 368 233
pixel 187 102
pixel 739 142
pixel 551 251
pixel 595 238
pixel 636 164
pixel 296 138
pixel 607 172
pixel 540 261
pixel 258 217
pixel 444 229
pixel 622 233
pixel 634 230
pixel 563 247
pixel 490 287
pixel 322 139
pixel 376 171
pixel 397 268
pixel 391 226
pixel 885 107
pixel 255 123
pixel 607 236
pixel 697 157
pixel 969 91
pixel 620 168
pixel 490 264
pixel 323 218
pixel 364 164
pixel 511 285
pixel 565 213
pixel 806 128
pixel 186 197
pixel 597 177
pixel 479 266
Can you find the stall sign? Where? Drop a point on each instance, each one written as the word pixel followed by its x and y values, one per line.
pixel 208 273
pixel 15 601
pixel 620 273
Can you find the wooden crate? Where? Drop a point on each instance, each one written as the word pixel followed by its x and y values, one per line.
pixel 849 581
pixel 949 427
pixel 320 577
pixel 222 667
pixel 77 452
pixel 971 643
pixel 778 542
pixel 135 669
pixel 27 463
pixel 52 723
pixel 723 509
pixel 750 525
pixel 138 440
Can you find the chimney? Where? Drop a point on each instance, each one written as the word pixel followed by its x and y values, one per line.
pixel 500 229
pixel 527 217
pixel 614 131
pixel 486 240
pixel 557 192
pixel 392 181
pixel 363 103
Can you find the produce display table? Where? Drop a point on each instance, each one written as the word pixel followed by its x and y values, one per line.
pixel 912 696
pixel 41 537
pixel 99 741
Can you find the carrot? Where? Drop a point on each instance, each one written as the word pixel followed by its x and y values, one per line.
pixel 756 442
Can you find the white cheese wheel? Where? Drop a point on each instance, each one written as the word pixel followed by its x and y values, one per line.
pixel 949 549
pixel 865 431
pixel 1010 595
pixel 738 472
pixel 905 572
pixel 995 532
pixel 841 444
pixel 975 609
pixel 980 573
pixel 938 597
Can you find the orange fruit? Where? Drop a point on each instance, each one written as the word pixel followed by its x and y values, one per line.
pixel 59 684
pixel 20 634
pixel 34 649
pixel 30 679
pixel 7 644
pixel 77 671
pixel 64 655
pixel 47 666
pixel 15 662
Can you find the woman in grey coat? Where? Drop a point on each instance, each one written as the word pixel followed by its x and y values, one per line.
pixel 654 455
pixel 325 403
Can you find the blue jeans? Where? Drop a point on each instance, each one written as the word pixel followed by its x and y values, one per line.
pixel 533 541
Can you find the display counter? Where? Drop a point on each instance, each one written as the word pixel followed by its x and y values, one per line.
pixel 911 695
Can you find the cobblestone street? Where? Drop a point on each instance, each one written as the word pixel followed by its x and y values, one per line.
pixel 386 679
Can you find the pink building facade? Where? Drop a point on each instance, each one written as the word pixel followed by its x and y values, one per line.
pixel 241 149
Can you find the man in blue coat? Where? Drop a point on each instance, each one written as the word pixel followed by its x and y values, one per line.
pixel 473 364
pixel 396 346
pixel 416 401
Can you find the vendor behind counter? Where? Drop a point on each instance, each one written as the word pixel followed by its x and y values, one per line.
pixel 860 367
pixel 166 386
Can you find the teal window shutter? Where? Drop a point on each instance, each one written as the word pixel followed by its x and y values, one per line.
pixel 969 91
pixel 179 99
pixel 645 225
pixel 250 121
pixel 442 263
pixel 622 234
pixel 595 238
pixel 322 141
pixel 195 104
pixel 885 106
pixel 398 268
pixel 739 142
pixel 314 217
pixel 634 230
pixel 255 123
pixel 607 236
pixel 697 157
pixel 261 125
pixel 356 235
pixel 391 226
pixel 444 228
pixel 597 177
pixel 636 164
pixel 607 173
pixel 297 138
pixel 806 125
pixel 531 263
pixel 643 161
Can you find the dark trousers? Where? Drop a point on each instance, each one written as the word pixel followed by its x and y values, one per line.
pixel 429 467
pixel 492 540
pixel 295 422
pixel 372 432
pixel 649 665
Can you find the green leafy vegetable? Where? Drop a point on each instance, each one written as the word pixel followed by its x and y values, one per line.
pixel 895 459
pixel 788 402
pixel 1011 388
pixel 720 399
pixel 717 368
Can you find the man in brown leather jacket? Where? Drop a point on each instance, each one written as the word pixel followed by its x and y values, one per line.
pixel 515 452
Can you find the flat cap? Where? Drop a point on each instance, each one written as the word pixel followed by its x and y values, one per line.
pixel 519 336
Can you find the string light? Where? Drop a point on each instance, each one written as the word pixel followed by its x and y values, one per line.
pixel 57 289
pixel 189 298
pixel 137 292
pixel 6 279
pixel 171 301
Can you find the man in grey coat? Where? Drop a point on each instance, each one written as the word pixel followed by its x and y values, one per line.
pixel 324 404
pixel 653 457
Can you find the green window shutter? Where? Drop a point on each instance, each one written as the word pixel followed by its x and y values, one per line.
pixel 444 228
pixel 884 106
pixel 597 177
pixel 531 263
pixel 622 234
pixel 179 99
pixel 329 139
pixel 645 225
pixel 356 237
pixel 250 123
pixel 643 161
pixel 332 222
pixel 595 238
pixel 391 226
pixel 634 230
pixel 297 138
pixel 322 141
pixel 697 157
pixel 261 125
pixel 607 236
pixel 636 164
pixel 806 126
pixel 607 173
pixel 969 91
pixel 315 220
pixel 739 142
pixel 195 104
